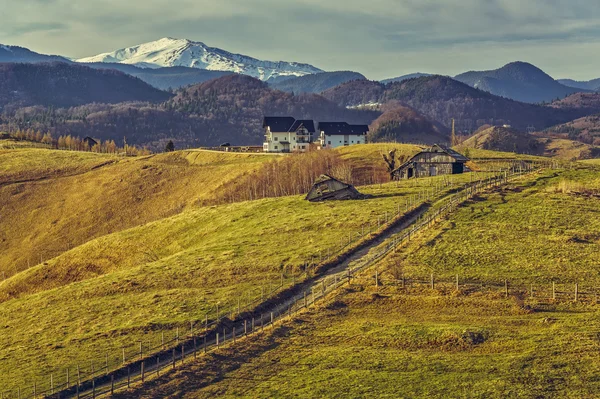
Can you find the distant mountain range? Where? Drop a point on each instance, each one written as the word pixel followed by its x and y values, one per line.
pixel 318 82
pixel 170 52
pixel 66 85
pixel 21 54
pixel 593 85
pixel 518 81
pixel 442 99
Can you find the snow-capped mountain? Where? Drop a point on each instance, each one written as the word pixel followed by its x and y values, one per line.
pixel 168 52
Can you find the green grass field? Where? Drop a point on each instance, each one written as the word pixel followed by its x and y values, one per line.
pixel 126 286
pixel 382 342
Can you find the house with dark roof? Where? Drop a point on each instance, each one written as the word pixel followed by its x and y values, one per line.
pixel 286 134
pixel 433 161
pixel 328 188
pixel 338 134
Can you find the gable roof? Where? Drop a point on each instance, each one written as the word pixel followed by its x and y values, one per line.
pixel 286 124
pixel 309 124
pixel 442 148
pixel 327 187
pixel 331 128
pixel 436 148
pixel 278 123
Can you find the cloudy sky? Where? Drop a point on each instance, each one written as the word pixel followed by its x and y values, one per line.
pixel 380 38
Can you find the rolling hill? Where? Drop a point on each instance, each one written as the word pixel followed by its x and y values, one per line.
pixel 498 138
pixel 229 108
pixel 66 85
pixel 318 82
pixel 519 81
pixel 441 99
pixel 405 125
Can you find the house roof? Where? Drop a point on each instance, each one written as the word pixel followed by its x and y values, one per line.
pixel 331 128
pixel 309 124
pixel 278 123
pixel 281 124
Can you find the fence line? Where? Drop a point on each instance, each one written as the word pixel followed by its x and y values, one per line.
pixel 101 377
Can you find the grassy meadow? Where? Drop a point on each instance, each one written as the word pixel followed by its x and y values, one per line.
pixel 365 341
pixel 111 289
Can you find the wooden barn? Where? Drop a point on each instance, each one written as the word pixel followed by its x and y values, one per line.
pixel 434 161
pixel 328 188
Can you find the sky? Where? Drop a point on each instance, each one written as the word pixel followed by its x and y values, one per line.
pixel 379 38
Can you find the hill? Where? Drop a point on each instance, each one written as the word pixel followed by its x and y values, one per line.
pixel 519 81
pixel 161 273
pixel 67 85
pixel 500 138
pixel 405 125
pixel 405 77
pixel 16 54
pixel 164 78
pixel 586 130
pixel 169 52
pixel 442 99
pixel 230 109
pixel 356 93
pixel 404 338
pixel 318 82
pixel 593 84
pixel 586 102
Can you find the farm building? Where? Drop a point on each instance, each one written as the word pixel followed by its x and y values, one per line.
pixel 329 188
pixel 339 134
pixel 286 134
pixel 437 160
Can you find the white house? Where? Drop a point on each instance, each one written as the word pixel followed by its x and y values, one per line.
pixel 286 134
pixel 338 134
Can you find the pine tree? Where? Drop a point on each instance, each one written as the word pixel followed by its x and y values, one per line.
pixel 170 146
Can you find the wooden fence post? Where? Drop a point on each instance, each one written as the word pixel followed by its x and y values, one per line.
pixel 376 278
pixel 506 288
pixel 245 328
pixel 553 291
pixel 532 291
pixel 432 282
pixel 142 371
pixel 576 291
pixel 173 353
pixel 457 287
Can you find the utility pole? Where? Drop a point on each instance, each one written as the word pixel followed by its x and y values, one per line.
pixel 453 136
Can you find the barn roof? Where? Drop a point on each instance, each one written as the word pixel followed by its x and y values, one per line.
pixel 327 187
pixel 442 148
pixel 436 148
pixel 331 128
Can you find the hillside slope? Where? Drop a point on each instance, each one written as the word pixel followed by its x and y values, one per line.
pixel 67 85
pixel 318 82
pixel 52 201
pixel 409 340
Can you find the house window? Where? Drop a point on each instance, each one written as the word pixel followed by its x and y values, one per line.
pixel 329 142
pixel 352 141
pixel 275 138
pixel 275 147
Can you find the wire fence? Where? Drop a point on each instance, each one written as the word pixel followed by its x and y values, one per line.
pixel 122 367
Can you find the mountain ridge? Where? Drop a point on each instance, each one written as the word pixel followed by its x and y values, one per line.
pixel 169 52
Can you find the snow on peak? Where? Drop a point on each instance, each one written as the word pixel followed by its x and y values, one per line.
pixel 168 52
pixel 3 47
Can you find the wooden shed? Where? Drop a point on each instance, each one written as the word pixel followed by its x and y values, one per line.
pixel 434 161
pixel 328 188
